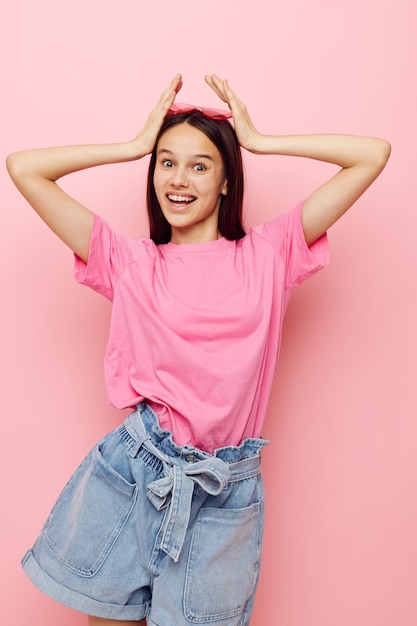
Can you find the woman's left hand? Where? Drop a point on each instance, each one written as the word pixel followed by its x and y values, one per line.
pixel 361 160
pixel 246 132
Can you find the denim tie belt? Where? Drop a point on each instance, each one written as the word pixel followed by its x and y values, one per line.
pixel 175 489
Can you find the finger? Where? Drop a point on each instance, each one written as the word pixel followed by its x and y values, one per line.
pixel 224 91
pixel 177 83
pixel 231 94
pixel 167 97
pixel 215 79
pixel 216 84
pixel 173 88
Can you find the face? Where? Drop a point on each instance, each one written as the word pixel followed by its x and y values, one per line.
pixel 189 180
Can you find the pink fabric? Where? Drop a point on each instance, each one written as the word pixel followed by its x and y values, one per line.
pixel 196 329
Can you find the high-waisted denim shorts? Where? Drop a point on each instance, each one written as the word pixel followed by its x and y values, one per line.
pixel 146 528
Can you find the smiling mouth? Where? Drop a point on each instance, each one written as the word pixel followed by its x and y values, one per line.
pixel 180 201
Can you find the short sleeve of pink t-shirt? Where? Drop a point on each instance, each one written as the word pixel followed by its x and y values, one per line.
pixel 196 329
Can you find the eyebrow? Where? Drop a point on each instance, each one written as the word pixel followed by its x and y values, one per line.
pixel 195 156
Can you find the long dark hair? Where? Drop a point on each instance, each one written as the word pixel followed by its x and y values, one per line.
pixel 222 134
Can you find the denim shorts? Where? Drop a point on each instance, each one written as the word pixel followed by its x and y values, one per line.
pixel 147 528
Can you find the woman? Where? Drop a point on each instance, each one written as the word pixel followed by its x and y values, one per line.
pixel 163 520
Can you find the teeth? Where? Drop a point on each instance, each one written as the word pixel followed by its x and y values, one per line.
pixel 180 198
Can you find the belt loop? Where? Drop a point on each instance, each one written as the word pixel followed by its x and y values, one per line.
pixel 135 426
pixel 134 450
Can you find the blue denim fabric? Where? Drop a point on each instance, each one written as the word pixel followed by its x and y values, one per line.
pixel 146 528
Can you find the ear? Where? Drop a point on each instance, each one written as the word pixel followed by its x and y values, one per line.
pixel 224 189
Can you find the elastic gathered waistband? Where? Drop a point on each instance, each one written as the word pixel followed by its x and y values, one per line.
pixel 143 424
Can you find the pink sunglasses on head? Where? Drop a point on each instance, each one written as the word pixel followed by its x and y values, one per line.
pixel 213 114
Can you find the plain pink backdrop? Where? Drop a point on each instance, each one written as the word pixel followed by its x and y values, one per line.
pixel 341 469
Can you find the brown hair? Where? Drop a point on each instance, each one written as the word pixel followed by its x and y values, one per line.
pixel 222 134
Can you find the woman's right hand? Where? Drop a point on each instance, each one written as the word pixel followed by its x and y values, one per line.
pixel 35 173
pixel 145 141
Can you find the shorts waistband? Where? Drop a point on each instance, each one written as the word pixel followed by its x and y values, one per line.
pixel 143 425
pixel 183 468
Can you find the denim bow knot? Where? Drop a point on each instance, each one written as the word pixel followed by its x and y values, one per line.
pixel 176 490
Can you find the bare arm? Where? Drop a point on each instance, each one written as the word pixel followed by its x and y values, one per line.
pixel 35 174
pixel 361 160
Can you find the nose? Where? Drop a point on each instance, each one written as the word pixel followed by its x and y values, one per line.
pixel 179 177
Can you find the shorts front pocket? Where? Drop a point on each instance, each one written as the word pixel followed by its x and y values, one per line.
pixel 223 563
pixel 89 515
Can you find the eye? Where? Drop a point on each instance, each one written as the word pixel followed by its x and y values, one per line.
pixel 167 163
pixel 199 167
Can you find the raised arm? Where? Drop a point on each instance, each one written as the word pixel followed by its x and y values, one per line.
pixel 35 174
pixel 361 160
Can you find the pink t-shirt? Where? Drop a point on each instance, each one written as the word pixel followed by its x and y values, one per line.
pixel 196 328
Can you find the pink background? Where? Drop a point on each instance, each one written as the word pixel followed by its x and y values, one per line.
pixel 341 469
